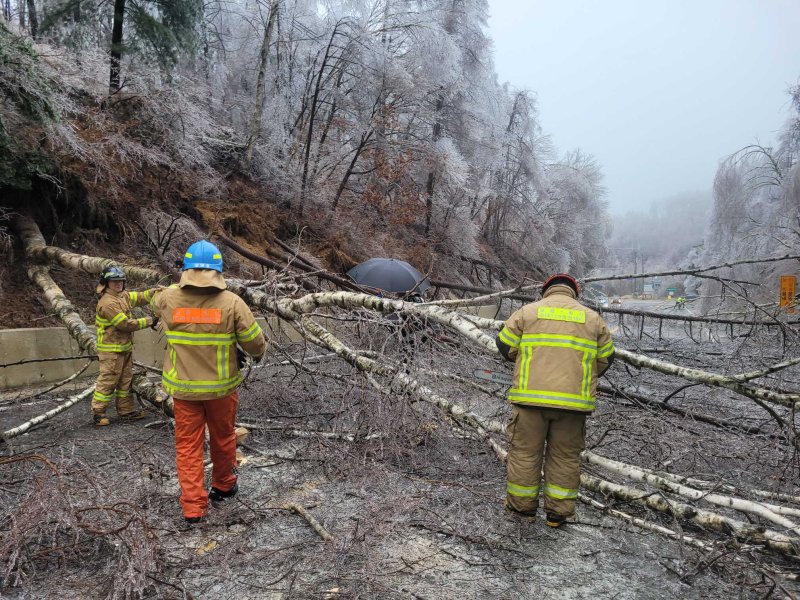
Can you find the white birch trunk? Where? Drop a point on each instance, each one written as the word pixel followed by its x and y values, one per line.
pixel 647 476
pixel 36 247
pixel 704 518
pixel 70 402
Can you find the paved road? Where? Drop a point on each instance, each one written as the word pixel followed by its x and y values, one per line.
pixel 663 306
pixel 669 329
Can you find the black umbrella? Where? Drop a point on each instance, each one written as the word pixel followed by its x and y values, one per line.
pixel 389 275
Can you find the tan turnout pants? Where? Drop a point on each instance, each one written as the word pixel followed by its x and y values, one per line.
pixel 555 438
pixel 114 382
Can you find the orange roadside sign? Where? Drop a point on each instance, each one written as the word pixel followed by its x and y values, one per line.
pixel 788 287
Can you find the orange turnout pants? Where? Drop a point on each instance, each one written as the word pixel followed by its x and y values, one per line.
pixel 191 417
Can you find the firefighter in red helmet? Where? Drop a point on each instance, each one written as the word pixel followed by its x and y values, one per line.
pixel 559 348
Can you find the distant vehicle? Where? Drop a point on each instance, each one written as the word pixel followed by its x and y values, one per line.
pixel 594 298
pixel 616 300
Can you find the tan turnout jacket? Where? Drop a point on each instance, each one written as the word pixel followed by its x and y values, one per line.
pixel 115 326
pixel 560 347
pixel 203 322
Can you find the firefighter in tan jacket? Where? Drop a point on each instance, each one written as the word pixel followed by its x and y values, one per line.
pixel 115 329
pixel 560 348
pixel 203 324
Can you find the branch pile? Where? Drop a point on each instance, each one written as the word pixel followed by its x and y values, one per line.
pixel 767 524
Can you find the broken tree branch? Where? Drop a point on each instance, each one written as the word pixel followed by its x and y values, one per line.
pixel 315 525
pixel 72 401
pixel 697 272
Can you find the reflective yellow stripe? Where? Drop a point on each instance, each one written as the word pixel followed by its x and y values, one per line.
pixel 173 357
pixel 118 318
pixel 559 493
pixel 122 394
pixel 555 339
pixel 525 370
pixel 219 362
pixel 550 398
pixel 119 348
pixel 586 380
pixel 523 491
pixel 249 334
pixel 133 297
pixel 606 350
pixel 216 256
pixel 200 339
pixel 102 347
pixel 222 387
pixel 102 397
pixel 188 255
pixel 509 338
pixel 101 322
pixel 554 313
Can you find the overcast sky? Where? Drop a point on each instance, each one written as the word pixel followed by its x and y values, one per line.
pixel 657 90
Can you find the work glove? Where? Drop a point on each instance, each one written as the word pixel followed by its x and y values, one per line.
pixel 154 324
pixel 241 358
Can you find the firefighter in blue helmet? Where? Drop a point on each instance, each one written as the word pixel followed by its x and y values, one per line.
pixel 208 330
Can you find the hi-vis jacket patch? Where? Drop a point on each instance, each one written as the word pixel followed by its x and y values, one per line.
pixel 201 316
pixel 553 313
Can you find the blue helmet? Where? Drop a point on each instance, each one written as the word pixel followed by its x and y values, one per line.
pixel 202 255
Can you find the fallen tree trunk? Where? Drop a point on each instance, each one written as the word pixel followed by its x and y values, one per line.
pixel 678 537
pixel 289 309
pixel 36 248
pixel 487 293
pixel 696 271
pixel 693 318
pixel 63 308
pixel 709 486
pixel 264 261
pixel 350 300
pixel 710 379
pixel 72 401
pixel 707 519
pixel 647 476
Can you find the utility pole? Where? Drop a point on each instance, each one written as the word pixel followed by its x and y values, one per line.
pixel 636 253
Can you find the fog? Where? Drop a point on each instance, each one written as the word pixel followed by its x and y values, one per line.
pixel 658 92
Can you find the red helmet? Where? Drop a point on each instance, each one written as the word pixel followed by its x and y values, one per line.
pixel 563 278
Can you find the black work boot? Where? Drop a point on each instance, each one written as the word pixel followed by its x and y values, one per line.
pixel 100 420
pixel 193 520
pixel 216 495
pixel 554 520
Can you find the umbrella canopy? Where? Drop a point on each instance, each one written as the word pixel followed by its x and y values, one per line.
pixel 389 275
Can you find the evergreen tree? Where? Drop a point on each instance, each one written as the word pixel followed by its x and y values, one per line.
pixel 152 30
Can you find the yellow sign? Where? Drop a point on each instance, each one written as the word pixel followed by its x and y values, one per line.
pixel 788 286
